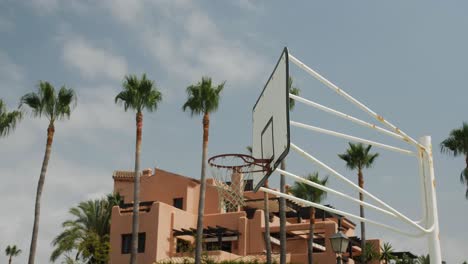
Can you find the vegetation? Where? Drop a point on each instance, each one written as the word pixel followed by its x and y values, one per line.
pixel 8 120
pixel 87 234
pixel 54 106
pixel 12 251
pixel 312 194
pixel 138 95
pixel 424 259
pixel 282 201
pixel 457 145
pixel 386 253
pixel 357 156
pixel 370 253
pixel 203 99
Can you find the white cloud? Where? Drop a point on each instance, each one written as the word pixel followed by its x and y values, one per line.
pixel 97 113
pixel 93 62
pixel 187 42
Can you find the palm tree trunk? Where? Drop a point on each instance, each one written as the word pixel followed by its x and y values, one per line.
pixel 267 228
pixel 201 202
pixel 9 260
pixel 282 215
pixel 136 189
pixel 361 210
pixel 40 185
pixel 310 244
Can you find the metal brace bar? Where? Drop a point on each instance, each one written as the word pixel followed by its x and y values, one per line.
pixel 352 138
pixel 354 101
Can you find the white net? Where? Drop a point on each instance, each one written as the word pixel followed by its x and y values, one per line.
pixel 232 180
pixel 230 186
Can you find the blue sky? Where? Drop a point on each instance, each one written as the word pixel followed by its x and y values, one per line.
pixel 406 60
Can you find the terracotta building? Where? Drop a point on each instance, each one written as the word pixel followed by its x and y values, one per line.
pixel 168 215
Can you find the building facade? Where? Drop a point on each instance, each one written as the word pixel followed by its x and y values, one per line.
pixel 168 216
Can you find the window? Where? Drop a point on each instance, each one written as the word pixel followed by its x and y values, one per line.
pixel 179 203
pixel 141 242
pixel 225 246
pixel 127 243
pixel 182 246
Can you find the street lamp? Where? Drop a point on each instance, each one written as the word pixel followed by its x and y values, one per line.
pixel 339 242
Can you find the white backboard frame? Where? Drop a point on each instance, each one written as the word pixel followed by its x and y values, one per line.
pixel 270 120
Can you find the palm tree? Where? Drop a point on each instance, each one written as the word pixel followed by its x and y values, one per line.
pixel 424 259
pixel 457 144
pixel 203 98
pixel 282 201
pixel 266 211
pixel 54 106
pixel 8 120
pixel 312 194
pixel 138 95
pixel 12 251
pixel 87 235
pixel 387 253
pixel 357 156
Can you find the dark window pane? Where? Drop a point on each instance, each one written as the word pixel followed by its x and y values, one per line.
pixel 126 243
pixel 179 203
pixel 182 245
pixel 248 185
pixel 141 242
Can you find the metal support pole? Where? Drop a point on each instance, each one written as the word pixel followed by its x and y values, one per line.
pixel 428 170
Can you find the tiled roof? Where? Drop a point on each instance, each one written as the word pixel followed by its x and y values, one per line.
pixel 123 174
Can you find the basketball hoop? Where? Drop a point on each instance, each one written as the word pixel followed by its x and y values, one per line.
pixel 231 174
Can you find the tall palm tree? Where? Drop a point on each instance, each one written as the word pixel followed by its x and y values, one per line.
pixel 87 235
pixel 138 95
pixel 312 194
pixel 387 253
pixel 12 251
pixel 357 156
pixel 457 144
pixel 54 106
pixel 8 120
pixel 203 99
pixel 282 201
pixel 266 211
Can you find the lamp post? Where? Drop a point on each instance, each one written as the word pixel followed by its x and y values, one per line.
pixel 339 242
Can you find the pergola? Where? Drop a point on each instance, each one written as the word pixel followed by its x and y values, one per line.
pixel 211 234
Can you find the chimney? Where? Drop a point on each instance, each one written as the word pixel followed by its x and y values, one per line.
pixel 147 172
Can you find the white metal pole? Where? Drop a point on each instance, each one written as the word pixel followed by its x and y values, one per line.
pixel 339 212
pixel 422 180
pixel 330 190
pixel 353 100
pixel 345 116
pixel 352 138
pixel 433 236
pixel 363 191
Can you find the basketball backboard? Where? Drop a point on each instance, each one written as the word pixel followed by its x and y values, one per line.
pixel 270 120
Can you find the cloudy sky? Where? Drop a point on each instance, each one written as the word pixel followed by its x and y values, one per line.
pixel 406 60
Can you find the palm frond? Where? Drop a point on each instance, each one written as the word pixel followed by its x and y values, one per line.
pixel 292 90
pixel 203 97
pixel 139 94
pixel 8 120
pixel 357 156
pixel 308 192
pixel 45 101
